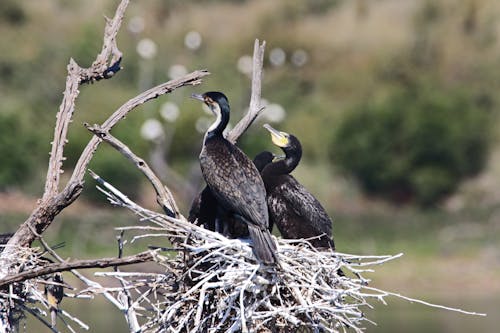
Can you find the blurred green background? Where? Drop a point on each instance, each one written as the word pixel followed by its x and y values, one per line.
pixel 395 103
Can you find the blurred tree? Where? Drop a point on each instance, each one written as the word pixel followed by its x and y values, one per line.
pixel 12 12
pixel 416 145
pixel 18 150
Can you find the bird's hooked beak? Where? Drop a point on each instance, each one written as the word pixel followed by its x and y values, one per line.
pixel 277 158
pixel 198 97
pixel 280 139
pixel 208 102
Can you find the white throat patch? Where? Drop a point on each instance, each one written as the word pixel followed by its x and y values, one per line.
pixel 218 113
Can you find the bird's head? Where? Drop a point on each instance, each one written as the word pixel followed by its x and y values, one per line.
pixel 217 103
pixel 280 139
pixel 215 100
pixel 262 159
pixel 287 142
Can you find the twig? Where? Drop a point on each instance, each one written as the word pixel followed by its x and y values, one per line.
pixel 414 300
pixel 163 196
pixel 255 107
pixel 38 317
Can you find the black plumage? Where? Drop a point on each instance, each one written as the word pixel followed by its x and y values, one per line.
pixel 206 212
pixel 234 180
pixel 294 210
pixel 262 159
pixel 203 210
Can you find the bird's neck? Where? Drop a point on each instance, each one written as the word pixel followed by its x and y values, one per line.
pixel 218 126
pixel 284 166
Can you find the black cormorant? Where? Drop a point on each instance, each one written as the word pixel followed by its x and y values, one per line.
pixel 234 180
pixel 294 210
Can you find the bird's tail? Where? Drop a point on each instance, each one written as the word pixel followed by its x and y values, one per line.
pixel 264 246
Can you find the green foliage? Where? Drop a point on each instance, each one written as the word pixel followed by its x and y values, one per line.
pixel 12 12
pixel 417 144
pixel 19 147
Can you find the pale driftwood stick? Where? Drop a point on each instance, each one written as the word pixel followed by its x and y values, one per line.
pixel 126 296
pixel 163 195
pixel 255 107
pixel 68 266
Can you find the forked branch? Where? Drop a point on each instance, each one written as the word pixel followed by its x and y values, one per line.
pixel 255 107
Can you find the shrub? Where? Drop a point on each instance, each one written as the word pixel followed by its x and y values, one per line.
pixel 19 148
pixel 416 145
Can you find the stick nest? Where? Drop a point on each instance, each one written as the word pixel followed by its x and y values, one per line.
pixel 215 284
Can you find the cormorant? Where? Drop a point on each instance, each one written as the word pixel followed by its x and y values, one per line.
pixel 262 159
pixel 234 180
pixel 294 210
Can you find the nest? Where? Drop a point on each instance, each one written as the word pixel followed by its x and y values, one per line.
pixel 215 284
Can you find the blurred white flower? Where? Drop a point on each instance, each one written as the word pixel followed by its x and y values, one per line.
pixel 169 111
pixel 136 25
pixel 193 40
pixel 299 58
pixel 277 56
pixel 274 113
pixel 245 64
pixel 146 48
pixel 151 129
pixel 202 124
pixel 176 71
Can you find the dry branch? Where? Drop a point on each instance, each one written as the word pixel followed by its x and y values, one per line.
pixel 163 195
pixel 52 202
pixel 77 264
pixel 255 107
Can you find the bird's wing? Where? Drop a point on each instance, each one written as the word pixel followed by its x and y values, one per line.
pixel 305 205
pixel 237 184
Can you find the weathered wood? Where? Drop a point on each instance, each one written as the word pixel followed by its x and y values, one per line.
pixel 77 264
pixel 255 107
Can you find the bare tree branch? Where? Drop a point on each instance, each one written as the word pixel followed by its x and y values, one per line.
pixel 52 202
pixel 255 107
pixel 192 79
pixel 163 196
pixel 44 214
pixel 100 69
pixel 77 264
